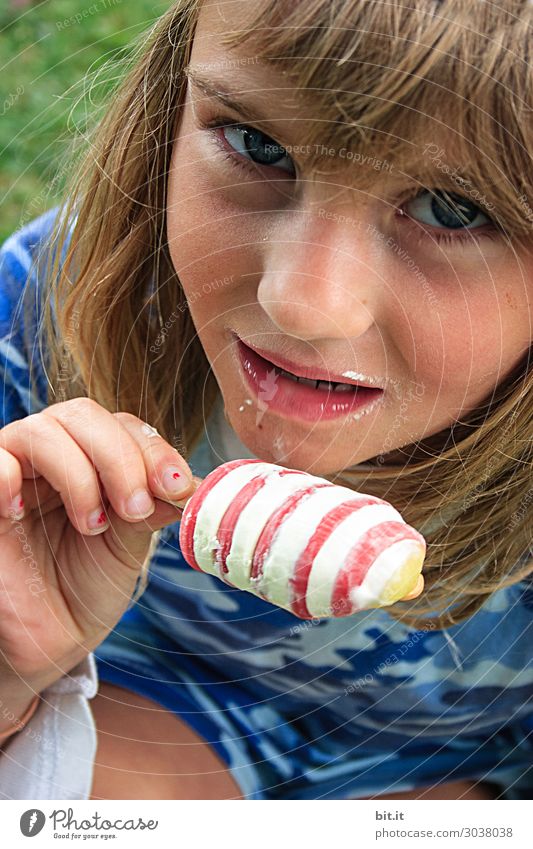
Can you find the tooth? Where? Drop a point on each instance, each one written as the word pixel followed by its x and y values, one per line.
pixel 330 386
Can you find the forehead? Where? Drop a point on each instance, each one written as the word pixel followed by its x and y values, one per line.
pixel 269 90
pixel 236 67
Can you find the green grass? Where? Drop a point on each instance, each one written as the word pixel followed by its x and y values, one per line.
pixel 43 64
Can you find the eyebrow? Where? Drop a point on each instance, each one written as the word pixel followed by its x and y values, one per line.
pixel 227 98
pixel 231 100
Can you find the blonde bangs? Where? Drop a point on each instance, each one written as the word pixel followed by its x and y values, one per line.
pixel 436 89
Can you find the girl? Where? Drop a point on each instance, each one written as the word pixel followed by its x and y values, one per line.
pixel 338 191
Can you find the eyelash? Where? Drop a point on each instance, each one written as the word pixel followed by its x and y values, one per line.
pixel 448 238
pixel 442 237
pixel 238 161
pixel 463 237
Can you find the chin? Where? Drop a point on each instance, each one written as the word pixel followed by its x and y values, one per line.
pixel 273 442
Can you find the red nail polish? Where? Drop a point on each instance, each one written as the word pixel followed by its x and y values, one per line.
pixel 16 508
pixel 174 481
pixel 96 520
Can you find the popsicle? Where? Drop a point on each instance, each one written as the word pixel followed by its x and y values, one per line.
pixel 299 541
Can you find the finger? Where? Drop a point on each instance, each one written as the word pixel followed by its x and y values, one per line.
pixel 36 493
pixel 43 448
pixel 166 512
pixel 11 480
pixel 128 542
pixel 114 453
pixel 168 474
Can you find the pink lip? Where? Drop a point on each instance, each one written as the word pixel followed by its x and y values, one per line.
pixel 294 400
pixel 302 371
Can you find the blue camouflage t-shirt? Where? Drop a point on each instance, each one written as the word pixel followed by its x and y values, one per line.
pixel 318 709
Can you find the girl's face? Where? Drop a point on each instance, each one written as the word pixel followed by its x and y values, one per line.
pixel 427 311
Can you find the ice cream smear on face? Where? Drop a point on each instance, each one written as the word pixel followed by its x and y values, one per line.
pixel 298 541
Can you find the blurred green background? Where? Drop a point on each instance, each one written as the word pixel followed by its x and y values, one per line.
pixel 45 54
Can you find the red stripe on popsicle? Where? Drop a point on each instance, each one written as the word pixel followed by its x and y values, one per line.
pixel 188 522
pixel 277 518
pixel 230 518
pixel 328 523
pixel 362 556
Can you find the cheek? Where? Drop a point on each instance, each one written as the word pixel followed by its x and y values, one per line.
pixel 210 239
pixel 466 343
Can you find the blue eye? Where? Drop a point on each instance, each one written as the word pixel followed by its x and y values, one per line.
pixel 440 208
pixel 255 146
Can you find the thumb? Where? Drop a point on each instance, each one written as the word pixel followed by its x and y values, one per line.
pixel 131 541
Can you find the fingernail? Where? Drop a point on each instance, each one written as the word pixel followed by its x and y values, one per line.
pixel 175 481
pixel 97 521
pixel 180 503
pixel 16 508
pixel 139 505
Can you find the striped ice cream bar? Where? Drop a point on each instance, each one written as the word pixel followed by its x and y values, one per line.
pixel 299 541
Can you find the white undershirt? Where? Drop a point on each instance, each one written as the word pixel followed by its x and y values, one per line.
pixel 52 757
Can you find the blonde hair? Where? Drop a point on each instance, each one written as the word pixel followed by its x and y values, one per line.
pixel 395 68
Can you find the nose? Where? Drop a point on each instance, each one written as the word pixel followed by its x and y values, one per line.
pixel 322 283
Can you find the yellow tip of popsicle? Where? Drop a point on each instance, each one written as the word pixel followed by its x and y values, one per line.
pixel 407 582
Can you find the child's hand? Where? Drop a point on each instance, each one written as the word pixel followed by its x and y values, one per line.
pixel 61 589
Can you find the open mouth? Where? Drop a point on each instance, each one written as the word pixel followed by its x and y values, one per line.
pixel 301 398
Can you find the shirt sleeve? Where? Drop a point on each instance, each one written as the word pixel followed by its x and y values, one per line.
pixel 52 757
pixel 20 287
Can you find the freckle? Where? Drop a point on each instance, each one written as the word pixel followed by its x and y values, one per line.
pixel 510 300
